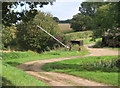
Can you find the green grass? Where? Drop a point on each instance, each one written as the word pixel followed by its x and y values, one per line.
pixel 88 40
pixel 78 68
pixel 79 35
pixel 16 77
pixel 16 58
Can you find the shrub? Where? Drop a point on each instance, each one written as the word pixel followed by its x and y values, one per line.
pixel 8 35
pixel 31 38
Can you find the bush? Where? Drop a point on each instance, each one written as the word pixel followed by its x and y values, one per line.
pixel 8 37
pixel 32 38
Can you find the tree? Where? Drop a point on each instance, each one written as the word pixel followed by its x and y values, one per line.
pixel 90 8
pixel 10 17
pixel 84 20
pixel 31 38
pixel 80 22
pixel 56 19
pixel 106 24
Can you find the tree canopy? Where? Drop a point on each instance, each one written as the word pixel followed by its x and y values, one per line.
pixel 80 22
pixel 56 19
pixel 106 24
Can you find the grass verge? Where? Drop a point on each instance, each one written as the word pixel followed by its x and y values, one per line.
pixel 16 58
pixel 16 77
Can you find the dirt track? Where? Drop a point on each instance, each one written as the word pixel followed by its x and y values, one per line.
pixel 61 79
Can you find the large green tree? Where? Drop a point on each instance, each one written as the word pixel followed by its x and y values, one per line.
pixel 84 20
pixel 80 22
pixel 106 24
pixel 31 38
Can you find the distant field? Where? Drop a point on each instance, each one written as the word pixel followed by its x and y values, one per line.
pixel 65 27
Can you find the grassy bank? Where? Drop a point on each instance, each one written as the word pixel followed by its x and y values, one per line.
pixel 93 68
pixel 16 77
pixel 79 35
pixel 16 58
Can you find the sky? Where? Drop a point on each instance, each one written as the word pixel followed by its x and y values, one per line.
pixel 63 9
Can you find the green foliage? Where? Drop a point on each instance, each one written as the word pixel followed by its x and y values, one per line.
pixel 56 19
pixel 80 22
pixel 8 36
pixel 106 24
pixel 84 20
pixel 31 38
pixel 89 8
pixel 105 21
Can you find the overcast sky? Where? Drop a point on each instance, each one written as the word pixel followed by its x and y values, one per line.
pixel 63 9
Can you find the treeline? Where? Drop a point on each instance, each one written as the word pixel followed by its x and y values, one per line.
pixel 61 21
